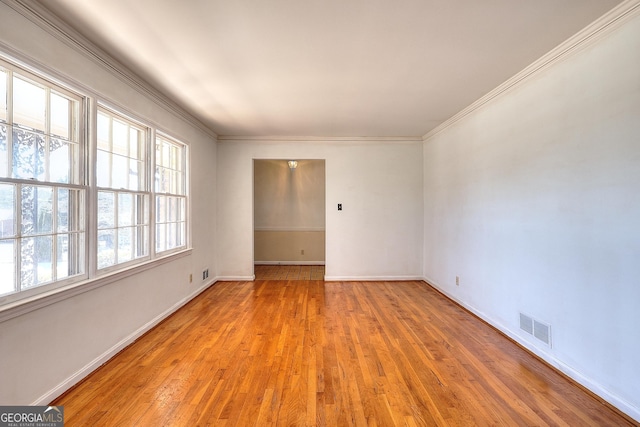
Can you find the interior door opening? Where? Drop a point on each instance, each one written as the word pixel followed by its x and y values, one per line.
pixel 289 218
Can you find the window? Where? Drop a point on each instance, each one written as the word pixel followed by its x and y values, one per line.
pixel 170 189
pixel 42 199
pixel 137 205
pixel 123 196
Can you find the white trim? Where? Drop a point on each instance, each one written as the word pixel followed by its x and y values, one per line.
pixel 235 278
pixel 597 29
pixel 78 376
pixel 371 278
pixel 284 138
pixel 289 262
pixel 36 302
pixel 291 229
pixel 543 353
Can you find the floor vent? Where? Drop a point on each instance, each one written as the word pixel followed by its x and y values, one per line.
pixel 540 330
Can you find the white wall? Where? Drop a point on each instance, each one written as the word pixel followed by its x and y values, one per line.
pixel 378 234
pixel 286 199
pixel 45 351
pixel 533 200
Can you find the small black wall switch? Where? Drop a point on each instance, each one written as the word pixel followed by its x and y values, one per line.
pixel 339 206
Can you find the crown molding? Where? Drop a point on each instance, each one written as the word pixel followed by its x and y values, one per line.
pixel 285 138
pixel 593 32
pixel 54 26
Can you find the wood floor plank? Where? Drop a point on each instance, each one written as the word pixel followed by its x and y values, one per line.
pixel 310 353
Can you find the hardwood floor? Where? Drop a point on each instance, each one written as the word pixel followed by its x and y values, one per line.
pixel 289 272
pixel 306 353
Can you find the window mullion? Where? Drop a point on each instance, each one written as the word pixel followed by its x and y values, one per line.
pixel 18 234
pixel 91 219
pixel 116 224
pixel 47 134
pixel 54 233
pixel 111 152
pixel 151 170
pixel 10 123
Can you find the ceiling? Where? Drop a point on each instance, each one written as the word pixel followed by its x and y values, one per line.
pixel 332 68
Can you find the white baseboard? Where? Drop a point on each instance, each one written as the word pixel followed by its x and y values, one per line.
pixel 288 262
pixel 549 358
pixel 235 278
pixel 371 278
pixel 65 385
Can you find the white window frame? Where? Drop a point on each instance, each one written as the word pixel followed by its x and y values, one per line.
pixel 77 179
pixel 183 195
pixel 145 191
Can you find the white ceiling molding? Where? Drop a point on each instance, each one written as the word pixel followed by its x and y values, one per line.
pixel 599 28
pixel 399 139
pixel 59 29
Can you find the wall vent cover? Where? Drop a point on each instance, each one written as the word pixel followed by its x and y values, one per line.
pixel 526 323
pixel 540 330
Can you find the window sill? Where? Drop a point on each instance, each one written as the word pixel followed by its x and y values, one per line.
pixel 36 302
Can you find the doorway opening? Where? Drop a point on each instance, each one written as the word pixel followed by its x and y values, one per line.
pixel 289 218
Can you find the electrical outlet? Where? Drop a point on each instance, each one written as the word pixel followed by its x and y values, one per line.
pixel 191 278
pixel 301 251
pixel 457 280
pixel 205 274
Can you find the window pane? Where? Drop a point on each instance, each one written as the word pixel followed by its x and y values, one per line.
pixel 125 244
pixel 106 210
pixel 59 159
pixel 136 174
pixel 29 210
pixel 181 209
pixel 37 210
pixel 44 210
pixel 3 99
pixel 158 178
pixel 28 155
pixel 4 155
pixel 36 261
pixel 103 169
pixel 161 209
pixel 62 248
pixel 106 248
pixel 142 209
pixel 104 129
pixel 60 116
pixel 7 267
pixel 120 138
pixel 166 154
pixel 174 157
pixel 125 209
pixel 120 172
pixel 179 183
pixel 174 183
pixel 7 210
pixel 172 210
pixel 62 213
pixel 161 237
pixel 135 143
pixel 29 102
pixel 182 232
pixel 142 241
